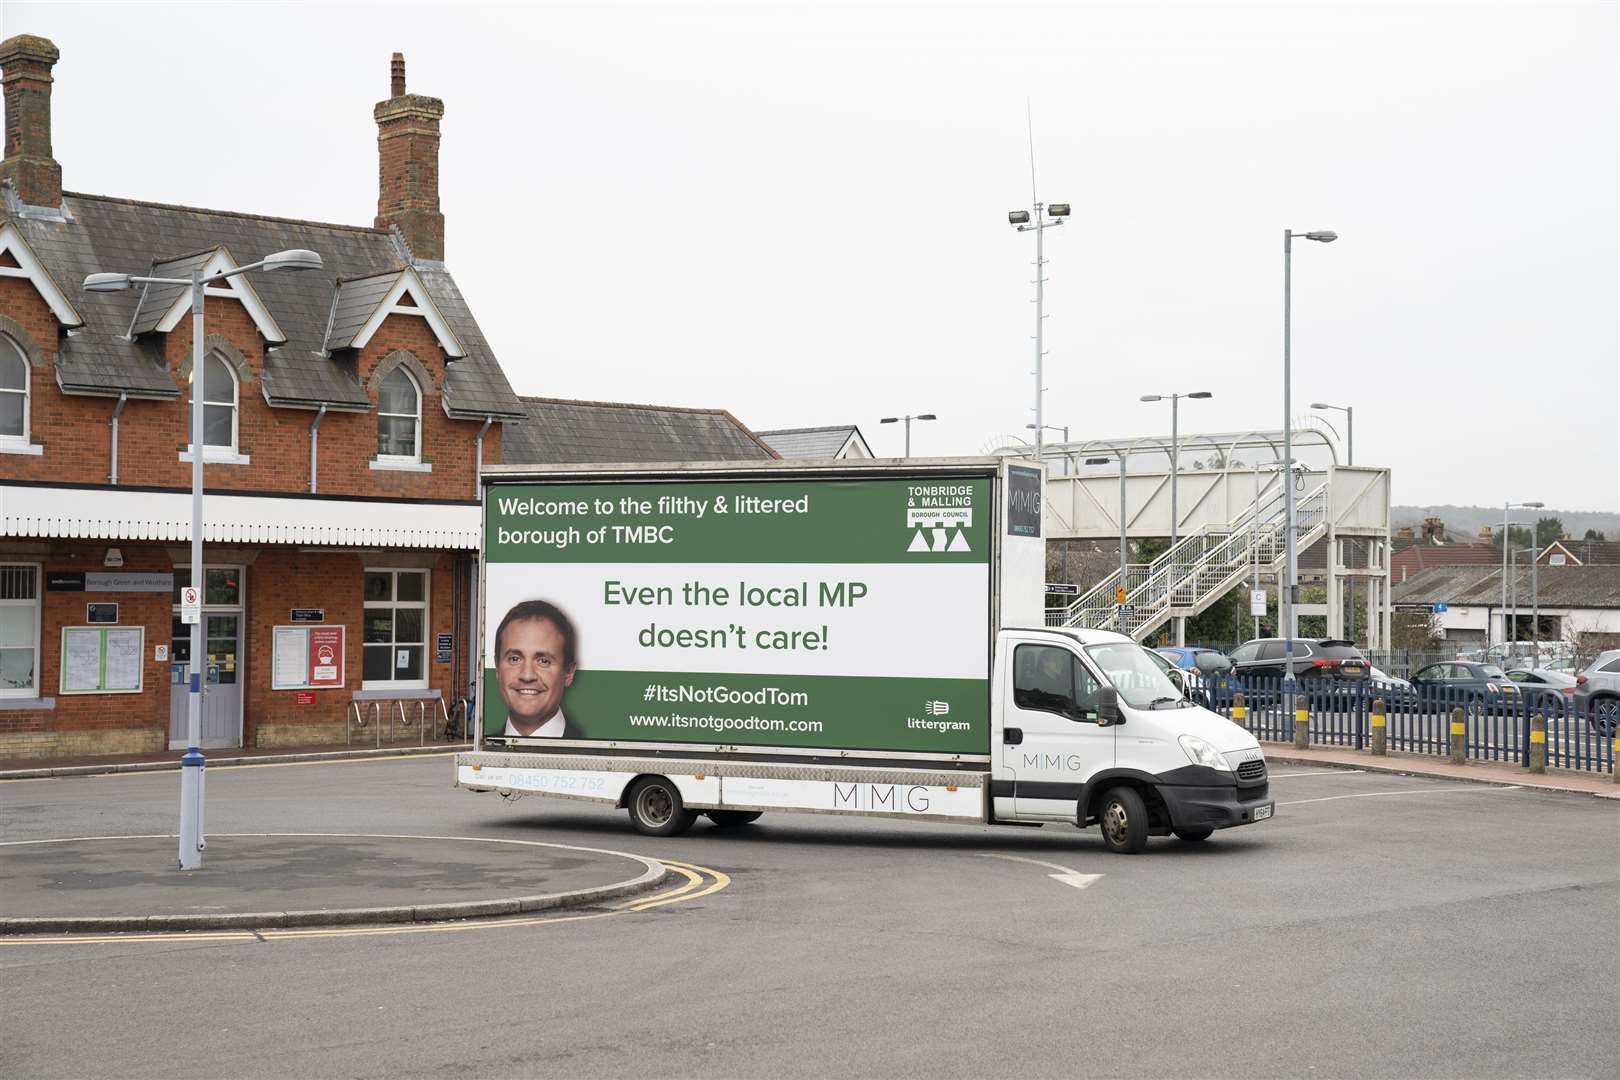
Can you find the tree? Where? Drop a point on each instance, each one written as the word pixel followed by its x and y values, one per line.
pixel 1594 534
pixel 1521 536
pixel 1417 631
pixel 1548 529
pixel 1226 620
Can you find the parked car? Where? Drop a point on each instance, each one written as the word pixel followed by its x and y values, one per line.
pixel 1207 673
pixel 1597 692
pixel 1322 666
pixel 1380 677
pixel 1547 690
pixel 1476 687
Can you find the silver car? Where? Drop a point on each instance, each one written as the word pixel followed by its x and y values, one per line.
pixel 1597 692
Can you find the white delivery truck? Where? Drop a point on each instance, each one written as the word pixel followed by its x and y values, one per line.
pixel 827 637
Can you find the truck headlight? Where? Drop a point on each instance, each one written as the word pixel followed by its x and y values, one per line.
pixel 1200 752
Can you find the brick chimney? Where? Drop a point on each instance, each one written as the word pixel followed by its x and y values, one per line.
pixel 1434 530
pixel 408 165
pixel 26 61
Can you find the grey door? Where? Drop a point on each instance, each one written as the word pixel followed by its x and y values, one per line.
pixel 223 680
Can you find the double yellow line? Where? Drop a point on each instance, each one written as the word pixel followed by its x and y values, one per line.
pixel 700 881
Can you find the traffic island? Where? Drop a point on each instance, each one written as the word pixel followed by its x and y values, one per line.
pixel 253 881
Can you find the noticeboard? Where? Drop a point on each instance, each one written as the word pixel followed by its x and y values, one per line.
pixel 102 659
pixel 307 657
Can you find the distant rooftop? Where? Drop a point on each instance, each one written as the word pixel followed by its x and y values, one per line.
pixel 559 431
pixel 843 440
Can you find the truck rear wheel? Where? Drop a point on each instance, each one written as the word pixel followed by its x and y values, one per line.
pixel 730 819
pixel 1123 818
pixel 656 808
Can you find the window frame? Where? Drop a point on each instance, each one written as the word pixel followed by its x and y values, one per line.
pixel 38 604
pixel 414 458
pixel 214 450
pixel 26 393
pixel 394 604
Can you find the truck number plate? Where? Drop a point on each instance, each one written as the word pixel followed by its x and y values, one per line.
pixel 1263 812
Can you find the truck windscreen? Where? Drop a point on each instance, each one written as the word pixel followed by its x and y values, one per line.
pixel 1140 682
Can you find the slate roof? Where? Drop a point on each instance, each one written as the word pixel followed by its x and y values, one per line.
pixel 1589 552
pixel 101 234
pixel 353 303
pixel 810 442
pixel 583 432
pixel 1557 586
pixel 155 300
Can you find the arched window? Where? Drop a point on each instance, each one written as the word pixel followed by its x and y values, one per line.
pixel 220 392
pixel 399 417
pixel 13 392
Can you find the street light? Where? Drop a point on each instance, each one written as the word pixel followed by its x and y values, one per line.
pixel 1175 470
pixel 1507 544
pixel 908 420
pixel 191 766
pixel 1053 427
pixel 1289 600
pixel 1119 597
pixel 1349 427
pixel 1037 222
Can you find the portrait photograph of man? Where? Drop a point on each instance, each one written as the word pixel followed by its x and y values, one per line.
pixel 536 657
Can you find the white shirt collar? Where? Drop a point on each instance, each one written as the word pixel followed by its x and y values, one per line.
pixel 551 729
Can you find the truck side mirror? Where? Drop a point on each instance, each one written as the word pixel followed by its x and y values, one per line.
pixel 1108 707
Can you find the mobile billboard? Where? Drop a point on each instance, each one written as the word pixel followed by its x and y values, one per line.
pixel 810 612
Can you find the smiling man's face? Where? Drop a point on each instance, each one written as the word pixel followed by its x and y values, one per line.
pixel 531 672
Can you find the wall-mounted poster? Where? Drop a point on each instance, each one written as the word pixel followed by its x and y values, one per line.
pixel 307 657
pixel 102 659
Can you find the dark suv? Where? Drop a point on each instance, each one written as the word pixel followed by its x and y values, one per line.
pixel 1320 664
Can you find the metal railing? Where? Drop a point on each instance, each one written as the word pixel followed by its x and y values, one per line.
pixel 1497 726
pixel 1198 569
pixel 410 716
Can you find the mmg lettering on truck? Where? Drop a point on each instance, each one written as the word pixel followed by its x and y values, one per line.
pixel 730 640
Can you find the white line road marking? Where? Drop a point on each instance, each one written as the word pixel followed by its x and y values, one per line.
pixel 1065 874
pixel 1416 791
pixel 1324 772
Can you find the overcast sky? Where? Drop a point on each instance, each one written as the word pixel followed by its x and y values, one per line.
pixel 798 213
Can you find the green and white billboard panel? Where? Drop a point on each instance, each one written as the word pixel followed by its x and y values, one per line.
pixel 846 614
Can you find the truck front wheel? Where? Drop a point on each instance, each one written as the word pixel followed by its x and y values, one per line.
pixel 656 808
pixel 1123 818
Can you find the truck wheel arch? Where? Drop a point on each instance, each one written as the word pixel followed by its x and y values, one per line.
pixel 1146 784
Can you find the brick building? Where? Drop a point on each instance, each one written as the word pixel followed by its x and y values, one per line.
pixel 346 415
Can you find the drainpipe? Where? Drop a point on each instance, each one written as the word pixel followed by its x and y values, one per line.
pixel 314 441
pixel 118 410
pixel 478 460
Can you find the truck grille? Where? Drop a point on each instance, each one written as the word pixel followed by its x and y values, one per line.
pixel 1250 771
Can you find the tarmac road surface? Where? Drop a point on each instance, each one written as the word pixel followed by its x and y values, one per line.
pixel 1378 926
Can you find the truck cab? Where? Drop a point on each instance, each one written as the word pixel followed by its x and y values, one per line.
pixel 1086 728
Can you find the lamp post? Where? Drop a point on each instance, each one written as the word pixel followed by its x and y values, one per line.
pixel 1349 427
pixel 908 420
pixel 1033 220
pixel 191 766
pixel 1507 545
pixel 1289 600
pixel 1054 427
pixel 1175 470
pixel 1124 542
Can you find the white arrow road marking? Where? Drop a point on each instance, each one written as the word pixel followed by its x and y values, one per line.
pixel 1064 874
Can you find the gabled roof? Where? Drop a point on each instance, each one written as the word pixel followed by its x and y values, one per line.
pixel 1582 552
pixel 815 442
pixel 161 307
pixel 1416 557
pixel 100 234
pixel 30 269
pixel 578 432
pixel 360 305
pixel 1479 586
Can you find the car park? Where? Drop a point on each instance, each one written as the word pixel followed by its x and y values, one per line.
pixel 1597 692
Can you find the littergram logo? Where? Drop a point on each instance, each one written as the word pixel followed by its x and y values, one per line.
pixel 937 708
pixel 939 516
